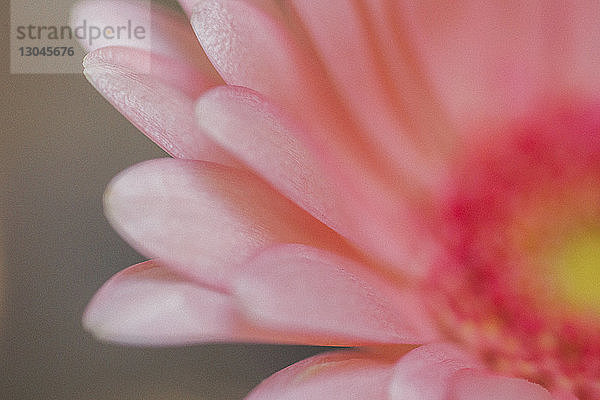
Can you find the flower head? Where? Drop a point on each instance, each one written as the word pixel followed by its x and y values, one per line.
pixel 418 180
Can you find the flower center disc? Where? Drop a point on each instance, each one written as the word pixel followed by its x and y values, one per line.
pixel 519 284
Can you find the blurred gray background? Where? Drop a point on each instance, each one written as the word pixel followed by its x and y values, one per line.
pixel 61 144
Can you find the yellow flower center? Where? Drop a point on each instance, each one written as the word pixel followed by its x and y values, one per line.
pixel 578 271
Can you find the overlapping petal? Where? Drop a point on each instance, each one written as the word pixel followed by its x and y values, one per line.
pixel 431 372
pixel 160 108
pixel 159 307
pixel 165 32
pixel 338 375
pixel 443 371
pixel 365 210
pixel 423 374
pixel 251 46
pixel 265 302
pixel 205 218
pixel 303 289
pixel 170 71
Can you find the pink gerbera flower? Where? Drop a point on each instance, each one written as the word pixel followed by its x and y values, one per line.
pixel 417 180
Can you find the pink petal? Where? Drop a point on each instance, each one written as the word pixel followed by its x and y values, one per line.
pixel 166 32
pixel 189 80
pixel 162 112
pixel 424 373
pixel 150 305
pixel 388 97
pixel 147 304
pixel 205 219
pixel 472 385
pixel 444 372
pixel 251 47
pixel 255 132
pixel 337 375
pixel 576 51
pixel 302 289
pixel 492 62
pixel 358 205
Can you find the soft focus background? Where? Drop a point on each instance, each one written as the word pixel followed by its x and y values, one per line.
pixel 61 144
